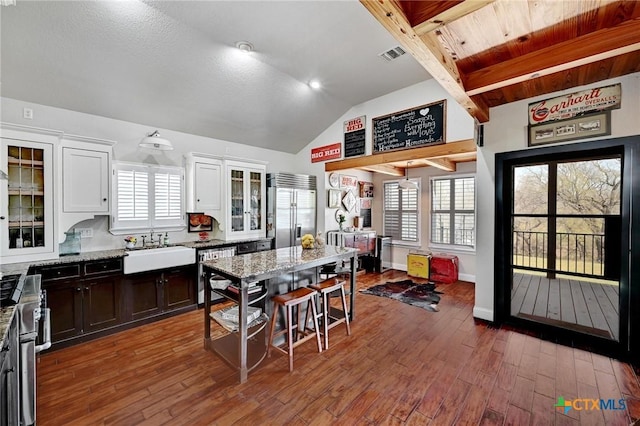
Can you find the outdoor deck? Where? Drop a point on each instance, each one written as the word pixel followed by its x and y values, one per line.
pixel 578 305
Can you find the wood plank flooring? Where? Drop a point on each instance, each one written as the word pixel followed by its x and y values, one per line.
pixel 585 306
pixel 402 365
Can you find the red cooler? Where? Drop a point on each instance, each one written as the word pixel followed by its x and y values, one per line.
pixel 444 268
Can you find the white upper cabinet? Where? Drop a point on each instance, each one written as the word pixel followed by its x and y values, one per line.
pixel 205 189
pixel 246 190
pixel 26 211
pixel 85 181
pixel 208 187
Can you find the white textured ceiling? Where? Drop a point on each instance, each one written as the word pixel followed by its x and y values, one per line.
pixel 172 64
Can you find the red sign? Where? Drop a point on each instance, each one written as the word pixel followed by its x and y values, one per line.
pixel 355 124
pixel 328 152
pixel 574 104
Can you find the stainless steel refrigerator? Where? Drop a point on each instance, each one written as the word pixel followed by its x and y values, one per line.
pixel 291 207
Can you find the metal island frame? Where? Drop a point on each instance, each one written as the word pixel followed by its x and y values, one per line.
pixel 241 349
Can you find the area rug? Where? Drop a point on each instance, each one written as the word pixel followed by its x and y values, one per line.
pixel 423 296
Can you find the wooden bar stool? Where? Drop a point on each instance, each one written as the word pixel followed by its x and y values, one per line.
pixel 331 316
pixel 302 334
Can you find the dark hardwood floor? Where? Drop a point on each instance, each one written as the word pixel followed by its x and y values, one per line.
pixel 401 365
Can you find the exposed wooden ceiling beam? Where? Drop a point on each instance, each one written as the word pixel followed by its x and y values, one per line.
pixel 428 52
pixel 455 12
pixel 384 169
pixel 436 151
pixel 441 163
pixel 593 47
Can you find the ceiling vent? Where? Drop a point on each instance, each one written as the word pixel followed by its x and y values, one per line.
pixel 392 54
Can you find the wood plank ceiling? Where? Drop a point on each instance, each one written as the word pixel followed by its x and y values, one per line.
pixel 487 53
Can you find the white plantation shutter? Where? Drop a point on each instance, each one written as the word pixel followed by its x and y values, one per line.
pixel 453 211
pixel 401 213
pixel 168 196
pixel 147 197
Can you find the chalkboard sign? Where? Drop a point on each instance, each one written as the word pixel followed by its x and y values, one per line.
pixel 354 143
pixel 412 128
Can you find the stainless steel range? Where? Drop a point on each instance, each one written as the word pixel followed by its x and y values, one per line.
pixel 31 315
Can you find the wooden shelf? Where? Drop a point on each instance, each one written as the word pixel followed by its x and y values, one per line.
pixel 25 224
pixel 19 162
pixel 394 162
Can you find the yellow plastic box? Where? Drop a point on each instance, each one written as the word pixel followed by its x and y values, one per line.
pixel 418 265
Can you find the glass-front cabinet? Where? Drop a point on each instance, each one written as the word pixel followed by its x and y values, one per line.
pixel 26 215
pixel 246 193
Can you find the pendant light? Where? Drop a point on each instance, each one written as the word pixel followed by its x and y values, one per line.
pixel 406 183
pixel 154 141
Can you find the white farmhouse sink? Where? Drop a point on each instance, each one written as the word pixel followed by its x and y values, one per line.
pixel 158 258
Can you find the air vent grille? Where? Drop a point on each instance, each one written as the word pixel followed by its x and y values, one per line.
pixel 290 180
pixel 392 54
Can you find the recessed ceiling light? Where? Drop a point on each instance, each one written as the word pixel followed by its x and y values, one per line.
pixel 244 46
pixel 314 84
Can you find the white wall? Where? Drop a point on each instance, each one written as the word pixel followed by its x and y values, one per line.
pixel 459 126
pixel 507 131
pixel 128 135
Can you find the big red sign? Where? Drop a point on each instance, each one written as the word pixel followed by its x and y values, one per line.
pixel 328 152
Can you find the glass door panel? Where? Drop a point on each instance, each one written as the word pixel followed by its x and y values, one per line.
pixel 237 201
pixel 26 197
pixel 565 230
pixel 255 190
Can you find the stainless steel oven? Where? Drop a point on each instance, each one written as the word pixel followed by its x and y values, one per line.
pixel 34 329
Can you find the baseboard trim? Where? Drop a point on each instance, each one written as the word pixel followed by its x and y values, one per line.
pixel 462 277
pixel 467 277
pixel 482 313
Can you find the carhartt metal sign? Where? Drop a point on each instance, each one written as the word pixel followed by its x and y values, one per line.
pixel 575 104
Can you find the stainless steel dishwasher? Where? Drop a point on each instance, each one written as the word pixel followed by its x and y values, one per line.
pixel 209 254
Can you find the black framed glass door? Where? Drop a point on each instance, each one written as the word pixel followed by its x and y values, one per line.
pixel 563 241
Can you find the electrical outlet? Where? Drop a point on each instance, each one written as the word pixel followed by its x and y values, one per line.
pixel 27 113
pixel 85 232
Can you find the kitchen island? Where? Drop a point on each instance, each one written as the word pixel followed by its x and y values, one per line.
pixel 241 349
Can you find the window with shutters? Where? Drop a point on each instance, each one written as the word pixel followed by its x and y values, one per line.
pixel 402 213
pixel 453 216
pixel 147 197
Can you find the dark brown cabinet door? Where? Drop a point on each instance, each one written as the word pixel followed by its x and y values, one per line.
pixel 179 287
pixel 102 303
pixel 145 295
pixel 65 300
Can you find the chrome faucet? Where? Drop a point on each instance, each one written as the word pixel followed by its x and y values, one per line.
pixel 151 242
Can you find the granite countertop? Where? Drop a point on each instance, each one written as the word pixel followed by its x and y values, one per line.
pixel 22 268
pixel 7 312
pixel 6 316
pixel 265 264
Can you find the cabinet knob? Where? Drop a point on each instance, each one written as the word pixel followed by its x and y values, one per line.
pixel 104 199
pixel 1 217
pixel 78 289
pixel 198 200
pixel 86 288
